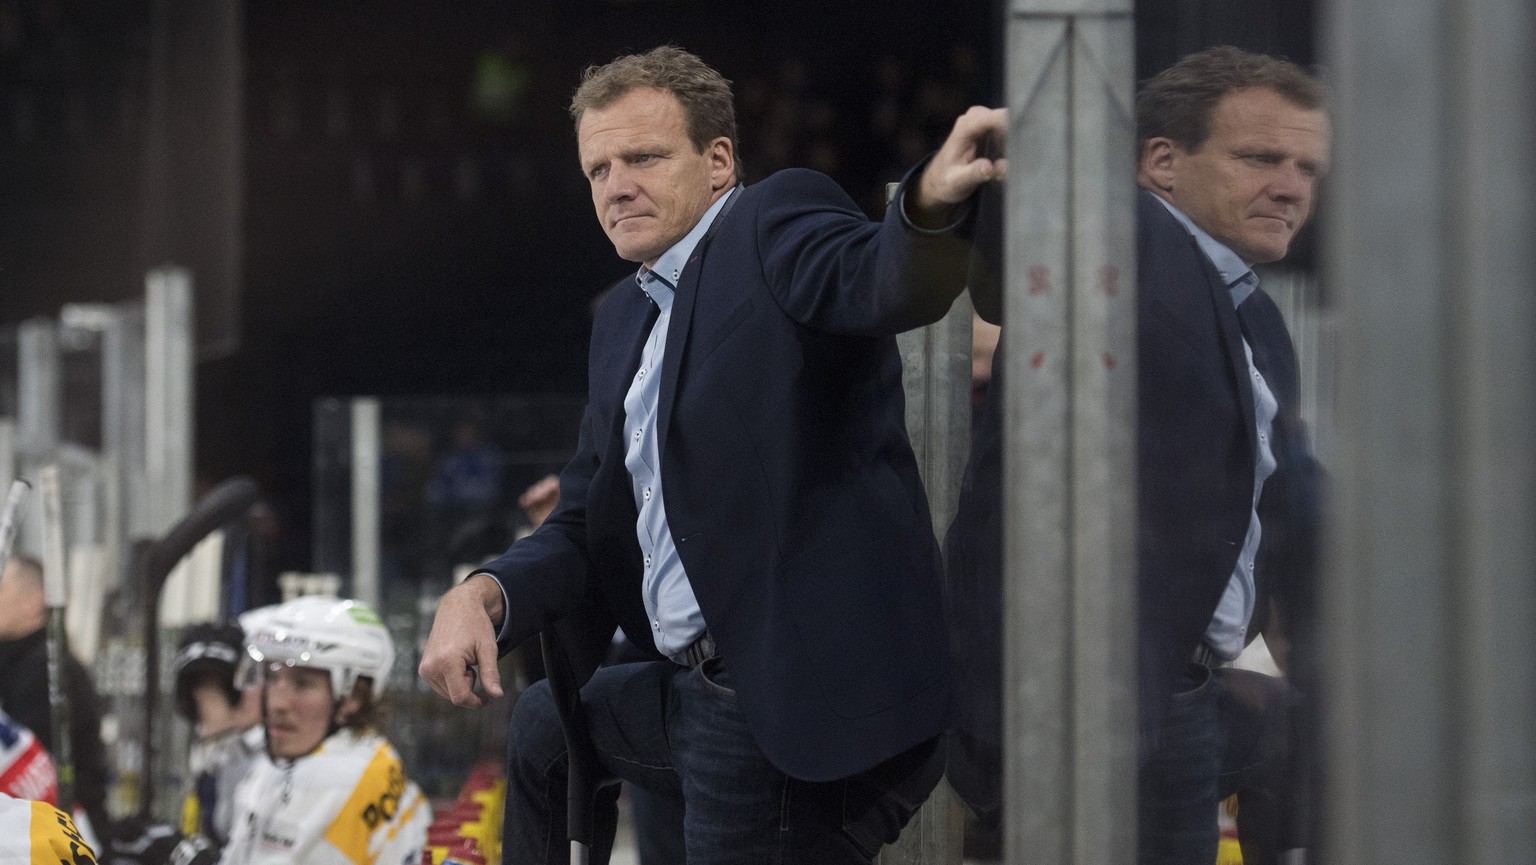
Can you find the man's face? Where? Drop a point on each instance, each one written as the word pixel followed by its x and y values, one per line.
pixel 649 185
pixel 1252 183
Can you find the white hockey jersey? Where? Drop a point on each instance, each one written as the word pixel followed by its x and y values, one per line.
pixel 36 833
pixel 218 764
pixel 348 803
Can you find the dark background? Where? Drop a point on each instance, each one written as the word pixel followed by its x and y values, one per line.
pixel 382 197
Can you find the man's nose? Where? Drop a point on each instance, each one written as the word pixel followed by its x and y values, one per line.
pixel 618 185
pixel 1290 183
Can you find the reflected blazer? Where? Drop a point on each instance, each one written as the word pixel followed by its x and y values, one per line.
pixel 1195 456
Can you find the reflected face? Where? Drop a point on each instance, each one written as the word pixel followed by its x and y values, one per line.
pixel 299 709
pixel 1252 183
pixel 650 185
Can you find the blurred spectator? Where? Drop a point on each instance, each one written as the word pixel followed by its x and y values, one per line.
pixel 468 477
pixel 539 499
pixel 24 687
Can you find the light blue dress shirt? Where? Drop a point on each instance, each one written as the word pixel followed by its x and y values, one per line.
pixel 1228 631
pixel 676 620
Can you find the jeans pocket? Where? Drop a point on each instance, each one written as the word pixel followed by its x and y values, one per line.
pixel 877 804
pixel 715 678
pixel 1197 677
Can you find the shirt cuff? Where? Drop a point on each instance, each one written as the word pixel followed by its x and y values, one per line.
pixel 506 607
pixel 961 212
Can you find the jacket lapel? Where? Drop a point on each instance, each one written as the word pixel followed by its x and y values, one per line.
pixel 682 323
pixel 1232 341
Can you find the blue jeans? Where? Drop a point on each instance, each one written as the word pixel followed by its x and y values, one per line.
pixel 680 734
pixel 1229 731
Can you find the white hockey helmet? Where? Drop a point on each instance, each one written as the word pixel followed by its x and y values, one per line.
pixel 345 638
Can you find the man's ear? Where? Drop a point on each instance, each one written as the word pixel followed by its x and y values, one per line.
pixel 722 163
pixel 1155 169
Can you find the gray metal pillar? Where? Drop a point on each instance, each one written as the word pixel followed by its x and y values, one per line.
pixel 366 453
pixel 7 452
pixel 936 373
pixel 168 339
pixel 38 412
pixel 1430 600
pixel 37 388
pixel 123 432
pixel 1069 425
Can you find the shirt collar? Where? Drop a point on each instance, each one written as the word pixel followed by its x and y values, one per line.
pixel 1239 278
pixel 669 267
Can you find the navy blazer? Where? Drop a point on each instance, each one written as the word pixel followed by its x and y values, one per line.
pixel 1195 455
pixel 792 491
pixel 1196 441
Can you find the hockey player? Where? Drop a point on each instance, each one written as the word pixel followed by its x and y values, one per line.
pixel 226 718
pixel 36 833
pixel 328 789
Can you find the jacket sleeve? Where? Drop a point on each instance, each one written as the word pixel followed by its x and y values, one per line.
pixel 830 268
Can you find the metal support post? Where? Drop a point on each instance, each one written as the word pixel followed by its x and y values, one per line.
pixel 168 393
pixel 365 500
pixel 1430 606
pixel 7 452
pixel 124 433
pixel 936 373
pixel 1069 430
pixel 38 411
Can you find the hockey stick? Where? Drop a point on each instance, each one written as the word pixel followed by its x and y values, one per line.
pixel 226 502
pixel 55 596
pixel 581 762
pixel 10 518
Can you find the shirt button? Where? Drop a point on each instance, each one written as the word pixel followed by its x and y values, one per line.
pixel 647 493
pixel 637 434
pixel 642 373
pixel 656 626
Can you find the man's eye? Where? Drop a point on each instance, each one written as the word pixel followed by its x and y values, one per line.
pixel 598 172
pixel 644 158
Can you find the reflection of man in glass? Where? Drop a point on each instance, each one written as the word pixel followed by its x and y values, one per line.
pixel 1231 147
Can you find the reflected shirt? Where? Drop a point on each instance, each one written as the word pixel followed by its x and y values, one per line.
pixel 1228 630
pixel 670 604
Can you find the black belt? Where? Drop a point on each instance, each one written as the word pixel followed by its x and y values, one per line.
pixel 1206 656
pixel 698 651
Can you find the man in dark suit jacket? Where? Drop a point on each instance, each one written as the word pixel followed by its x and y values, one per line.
pixel 1231 147
pixel 744 500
